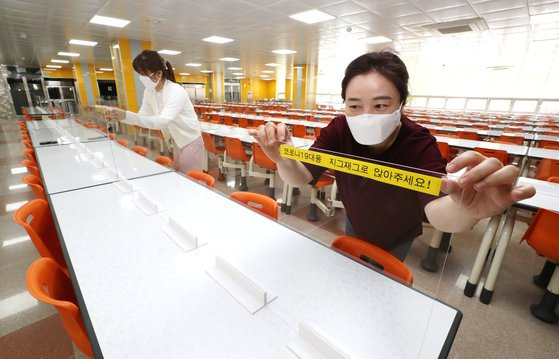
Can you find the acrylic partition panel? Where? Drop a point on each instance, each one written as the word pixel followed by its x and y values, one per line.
pixel 340 288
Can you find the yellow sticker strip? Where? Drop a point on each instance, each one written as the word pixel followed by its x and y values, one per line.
pixel 406 179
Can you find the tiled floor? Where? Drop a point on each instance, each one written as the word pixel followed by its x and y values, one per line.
pixel 503 329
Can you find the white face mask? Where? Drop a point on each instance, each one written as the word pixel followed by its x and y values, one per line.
pixel 150 85
pixel 372 129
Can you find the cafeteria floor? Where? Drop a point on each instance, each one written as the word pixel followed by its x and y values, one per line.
pixel 503 329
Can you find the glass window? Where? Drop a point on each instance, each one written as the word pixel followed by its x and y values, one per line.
pixel 418 101
pixel 54 93
pixel 524 106
pixel 436 102
pixel 549 107
pixel 476 104
pixel 68 93
pixel 499 105
pixel 456 103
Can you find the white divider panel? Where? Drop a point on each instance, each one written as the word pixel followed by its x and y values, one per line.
pixel 124 185
pixel 145 204
pixel 243 289
pixel 312 345
pixel 181 236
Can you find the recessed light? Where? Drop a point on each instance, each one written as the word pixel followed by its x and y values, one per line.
pixel 267 71
pixel 54 66
pixel 99 72
pixel 82 42
pixel 238 73
pixel 18 170
pixel 229 59
pixel 217 39
pixel 105 69
pixel 206 71
pixel 59 61
pixel 109 21
pixel 264 76
pixel 377 40
pixel 184 73
pixel 234 68
pixel 284 52
pixel 71 54
pixel 169 52
pixel 273 65
pixel 311 16
pixel 193 64
pixel 17 186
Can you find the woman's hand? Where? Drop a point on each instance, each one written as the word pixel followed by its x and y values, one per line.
pixel 487 188
pixel 270 136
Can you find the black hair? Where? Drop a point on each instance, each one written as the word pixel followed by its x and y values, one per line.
pixel 385 63
pixel 149 61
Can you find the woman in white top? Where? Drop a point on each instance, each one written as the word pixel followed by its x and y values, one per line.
pixel 166 107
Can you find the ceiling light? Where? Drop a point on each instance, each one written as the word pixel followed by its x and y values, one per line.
pixel 311 16
pixel 105 69
pixel 99 72
pixel 71 54
pixel 184 73
pixel 377 40
pixel 59 61
pixel 267 71
pixel 17 186
pixel 109 21
pixel 264 76
pixel 169 52
pixel 284 52
pixel 54 66
pixel 193 64
pixel 18 170
pixel 229 59
pixel 82 42
pixel 235 68
pixel 116 46
pixel 273 65
pixel 544 18
pixel 239 77
pixel 217 39
pixel 238 73
pixel 206 71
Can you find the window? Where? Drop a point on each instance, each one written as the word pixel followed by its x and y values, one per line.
pixel 524 106
pixel 499 105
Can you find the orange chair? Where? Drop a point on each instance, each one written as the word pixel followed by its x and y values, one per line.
pixel 548 144
pixel 30 154
pixel 516 140
pixel 262 160
pixel 445 150
pixel 323 181
pixel 112 136
pixel 547 168
pixel 140 150
pixel 27 144
pixel 164 161
pixel 215 118
pixel 542 236
pixel 234 151
pixel 257 201
pixel 201 176
pixel 210 147
pixel 467 135
pixel 317 131
pixel 228 120
pixel 369 253
pixel 301 132
pixel 36 186
pixel 40 229
pixel 243 122
pixel 501 155
pixel 47 282
pixel 257 123
pixel 31 167
pixel 122 142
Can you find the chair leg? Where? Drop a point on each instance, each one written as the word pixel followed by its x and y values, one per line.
pixel 313 216
pixel 429 262
pixel 545 309
pixel 243 186
pixel 542 280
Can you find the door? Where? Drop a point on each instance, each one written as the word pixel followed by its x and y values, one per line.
pixel 19 97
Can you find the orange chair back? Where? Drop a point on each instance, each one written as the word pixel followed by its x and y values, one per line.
pixel 140 150
pixel 36 186
pixel 47 282
pixel 548 144
pixel 164 160
pixel 256 123
pixel 243 122
pixel 27 144
pixel 445 150
pixel 261 159
pixel 234 149
pixel 547 168
pixel 112 136
pixel 201 176
pixel 228 120
pixel 122 142
pixel 30 154
pixel 317 131
pixel 40 229
pixel 31 167
pixel 516 140
pixel 367 252
pixel 299 130
pixel 258 201
pixel 501 155
pixel 466 135
pixel 209 144
pixel 542 234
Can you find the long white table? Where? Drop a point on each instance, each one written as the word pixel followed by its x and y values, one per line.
pixel 64 135
pixel 287 121
pixel 513 150
pixel 42 124
pixel 73 166
pixel 142 296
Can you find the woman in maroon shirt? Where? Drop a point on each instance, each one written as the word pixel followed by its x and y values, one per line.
pixel 375 89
